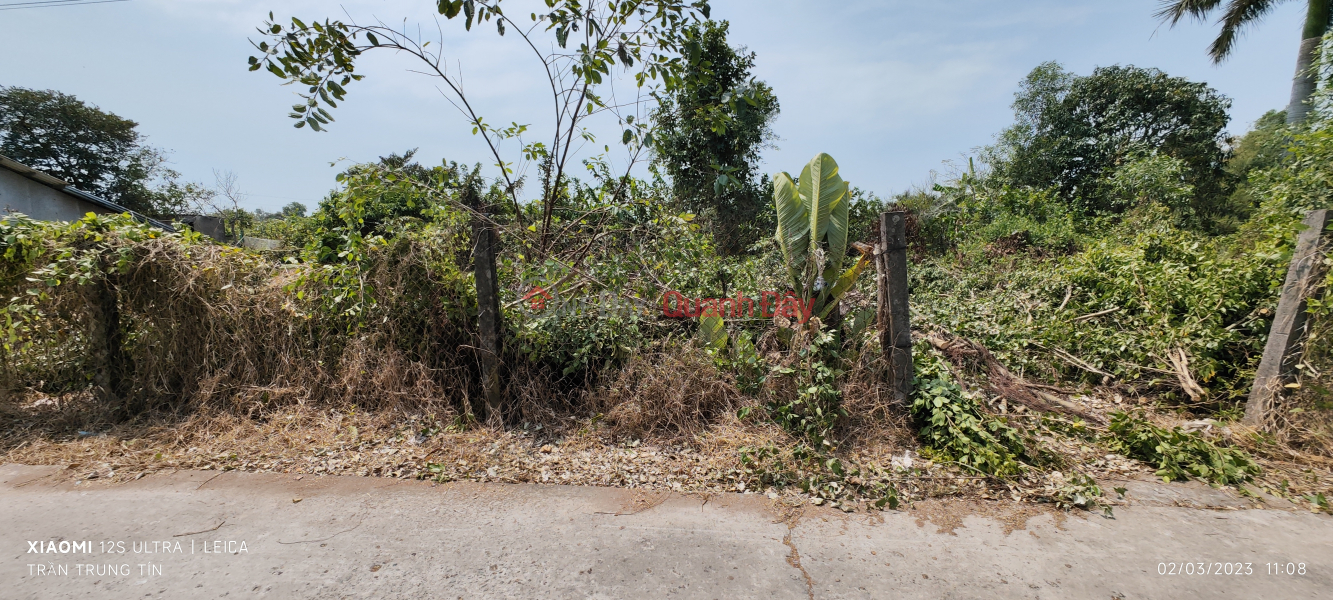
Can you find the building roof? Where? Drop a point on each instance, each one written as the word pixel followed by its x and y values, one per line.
pixel 64 186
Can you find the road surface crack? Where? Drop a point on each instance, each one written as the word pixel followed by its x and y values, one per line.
pixel 794 559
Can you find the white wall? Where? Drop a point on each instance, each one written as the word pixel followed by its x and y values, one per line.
pixel 18 194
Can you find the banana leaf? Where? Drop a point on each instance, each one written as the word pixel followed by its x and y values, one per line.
pixel 713 332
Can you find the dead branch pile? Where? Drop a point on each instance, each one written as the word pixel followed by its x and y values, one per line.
pixel 972 357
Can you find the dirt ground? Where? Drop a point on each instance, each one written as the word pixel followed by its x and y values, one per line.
pixel 576 451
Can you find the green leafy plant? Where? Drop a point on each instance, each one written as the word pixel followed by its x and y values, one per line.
pixel 815 410
pixel 813 228
pixel 339 273
pixel 742 359
pixel 1178 454
pixel 1082 492
pixel 952 425
pixel 580 344
pixel 1320 502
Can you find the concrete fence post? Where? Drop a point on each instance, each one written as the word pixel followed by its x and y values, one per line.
pixel 1288 330
pixel 891 283
pixel 488 314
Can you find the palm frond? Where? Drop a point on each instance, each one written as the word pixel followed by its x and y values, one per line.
pixel 1174 10
pixel 1238 15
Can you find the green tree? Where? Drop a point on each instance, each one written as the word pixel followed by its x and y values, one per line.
pixel 578 44
pixel 1263 147
pixel 293 209
pixel 708 135
pixel 1072 133
pixel 94 150
pixel 66 138
pixel 1022 154
pixel 1239 14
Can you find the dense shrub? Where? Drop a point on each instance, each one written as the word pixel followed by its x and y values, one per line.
pixel 1157 289
pixel 167 320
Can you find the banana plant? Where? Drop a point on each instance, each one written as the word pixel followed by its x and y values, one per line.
pixel 813 227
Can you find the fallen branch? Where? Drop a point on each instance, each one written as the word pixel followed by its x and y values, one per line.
pixel 1250 317
pixel 1077 362
pixel 36 479
pixel 358 524
pixel 1003 382
pixel 1143 368
pixel 208 480
pixel 1068 406
pixel 1069 292
pixel 1180 362
pixel 1096 314
pixel 1051 388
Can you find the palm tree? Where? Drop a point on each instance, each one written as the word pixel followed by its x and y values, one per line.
pixel 1240 13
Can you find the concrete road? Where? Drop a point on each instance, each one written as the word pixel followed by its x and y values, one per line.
pixel 181 536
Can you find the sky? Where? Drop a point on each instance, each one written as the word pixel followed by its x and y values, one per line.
pixel 893 89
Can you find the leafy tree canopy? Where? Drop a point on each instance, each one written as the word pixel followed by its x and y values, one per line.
pixel 294 209
pixel 1263 147
pixel 644 37
pixel 94 150
pixel 709 132
pixel 1073 132
pixel 416 190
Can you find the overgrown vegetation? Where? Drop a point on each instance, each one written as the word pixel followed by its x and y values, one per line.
pixel 1104 274
pixel 954 427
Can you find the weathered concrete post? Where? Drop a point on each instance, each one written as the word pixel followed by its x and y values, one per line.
pixel 488 314
pixel 1288 331
pixel 106 341
pixel 891 278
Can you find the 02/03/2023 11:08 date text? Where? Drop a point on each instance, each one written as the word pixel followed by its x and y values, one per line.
pixel 1230 568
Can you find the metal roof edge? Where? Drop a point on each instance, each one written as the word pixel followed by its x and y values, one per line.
pixel 32 173
pixel 112 206
pixel 64 186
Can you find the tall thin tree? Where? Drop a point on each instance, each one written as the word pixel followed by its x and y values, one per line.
pixel 1238 14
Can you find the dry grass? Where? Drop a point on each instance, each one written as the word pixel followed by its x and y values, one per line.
pixel 666 394
pixel 303 440
pixel 571 449
pixel 875 420
pixel 211 326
